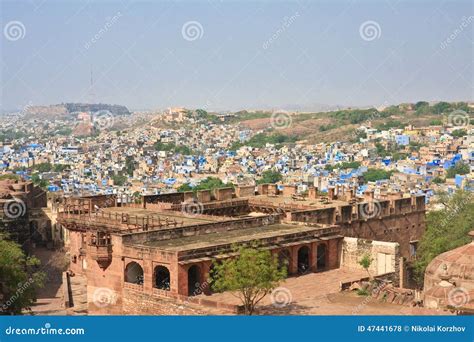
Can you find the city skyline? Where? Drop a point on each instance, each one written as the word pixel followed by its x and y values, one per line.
pixel 221 56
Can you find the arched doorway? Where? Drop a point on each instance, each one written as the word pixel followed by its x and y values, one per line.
pixel 303 260
pixel 321 255
pixel 194 280
pixel 284 259
pixel 134 273
pixel 162 278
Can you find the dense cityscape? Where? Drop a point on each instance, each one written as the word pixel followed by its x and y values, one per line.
pixel 73 171
pixel 201 170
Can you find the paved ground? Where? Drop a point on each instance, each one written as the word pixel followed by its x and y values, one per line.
pixel 318 294
pixel 50 297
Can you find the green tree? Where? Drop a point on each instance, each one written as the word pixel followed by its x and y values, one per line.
pixel 446 229
pixel 129 165
pixel 421 104
pixel 438 180
pixel 459 133
pixel 19 278
pixel 119 179
pixel 441 107
pixel 365 262
pixel 460 168
pixel 185 187
pixel 250 276
pixel 270 176
pixel 372 175
pixel 43 167
pixel 10 176
pixel 343 166
pixel 35 178
pixel 210 183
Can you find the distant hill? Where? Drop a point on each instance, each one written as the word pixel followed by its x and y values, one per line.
pixel 95 107
pixel 340 125
pixel 64 109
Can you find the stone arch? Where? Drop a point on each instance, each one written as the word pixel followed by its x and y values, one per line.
pixel 134 273
pixel 321 253
pixel 162 278
pixel 303 260
pixel 194 280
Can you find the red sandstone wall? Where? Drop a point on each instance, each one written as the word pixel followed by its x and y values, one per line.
pixel 136 303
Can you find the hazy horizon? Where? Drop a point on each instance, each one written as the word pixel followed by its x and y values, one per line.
pixel 238 55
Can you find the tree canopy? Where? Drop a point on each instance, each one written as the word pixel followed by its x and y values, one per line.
pixel 372 175
pixel 460 168
pixel 250 276
pixel 270 176
pixel 210 183
pixel 446 229
pixel 19 278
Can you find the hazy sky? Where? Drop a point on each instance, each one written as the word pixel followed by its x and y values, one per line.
pixel 239 54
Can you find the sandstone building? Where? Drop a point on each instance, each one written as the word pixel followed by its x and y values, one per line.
pixel 22 215
pixel 149 257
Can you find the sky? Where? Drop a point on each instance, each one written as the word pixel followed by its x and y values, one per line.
pixel 233 55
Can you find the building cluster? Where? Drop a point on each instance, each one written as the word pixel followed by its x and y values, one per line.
pixel 173 149
pixel 114 204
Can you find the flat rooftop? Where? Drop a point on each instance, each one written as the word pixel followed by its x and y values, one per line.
pixel 304 201
pixel 230 237
pixel 162 215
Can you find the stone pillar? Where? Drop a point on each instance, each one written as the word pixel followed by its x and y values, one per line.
pixel 331 193
pixel 182 283
pixel 293 266
pixel 313 257
pixel 205 276
pixel 147 276
pixel 402 273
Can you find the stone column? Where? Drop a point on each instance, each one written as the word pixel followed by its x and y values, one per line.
pixel 293 266
pixel 313 257
pixel 147 276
